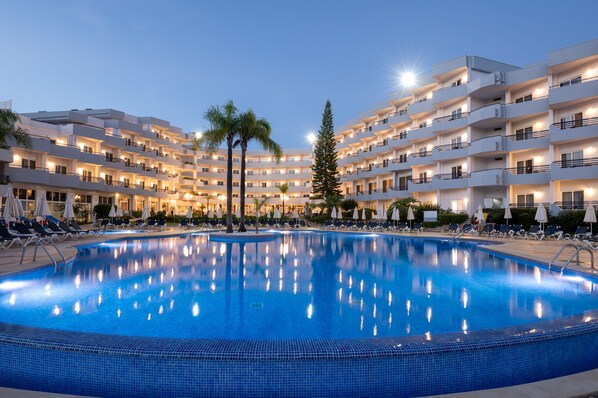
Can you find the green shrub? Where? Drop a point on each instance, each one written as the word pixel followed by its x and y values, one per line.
pixel 430 224
pixel 136 213
pixel 452 218
pixel 102 210
pixel 568 220
pixel 348 204
pixel 525 217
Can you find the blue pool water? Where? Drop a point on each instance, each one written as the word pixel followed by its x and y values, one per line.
pixel 302 285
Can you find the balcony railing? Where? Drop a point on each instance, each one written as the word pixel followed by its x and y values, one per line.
pixel 90 179
pixel 451 147
pixel 421 180
pixel 528 136
pixel 450 118
pixel 399 187
pixel 4 179
pixel 421 154
pixel 400 112
pixel 528 170
pixel 451 176
pixel 574 204
pixel 569 124
pixel 576 163
pixel 452 85
pixel 575 80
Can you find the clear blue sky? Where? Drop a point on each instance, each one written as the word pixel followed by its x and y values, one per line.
pixel 173 59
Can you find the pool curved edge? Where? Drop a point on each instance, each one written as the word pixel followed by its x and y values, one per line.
pixel 111 366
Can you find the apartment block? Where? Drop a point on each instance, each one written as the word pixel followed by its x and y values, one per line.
pixel 479 131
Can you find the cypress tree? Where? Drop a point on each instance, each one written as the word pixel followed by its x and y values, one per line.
pixel 325 180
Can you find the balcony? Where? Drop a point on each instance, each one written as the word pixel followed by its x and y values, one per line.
pixel 6 155
pixel 420 158
pixel 421 133
pixel 39 175
pixel 400 116
pixel 422 106
pixel 380 125
pixel 574 130
pixel 487 116
pixel 486 145
pixel 450 181
pixel 398 165
pixel 526 108
pixel 487 85
pixel 371 195
pixel 450 122
pixel 571 91
pixel 92 183
pixel 525 141
pixel 486 178
pixel 574 204
pixel 578 169
pixel 66 180
pixel 421 185
pixel 450 151
pixel 449 93
pixel 535 175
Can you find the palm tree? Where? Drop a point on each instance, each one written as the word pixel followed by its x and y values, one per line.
pixel 224 123
pixel 258 204
pixel 253 129
pixel 283 188
pixel 9 131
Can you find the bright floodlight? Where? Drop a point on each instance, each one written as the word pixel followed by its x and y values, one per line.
pixel 311 138
pixel 408 79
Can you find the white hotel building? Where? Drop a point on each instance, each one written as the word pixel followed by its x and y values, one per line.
pixel 107 156
pixel 482 132
pixel 476 132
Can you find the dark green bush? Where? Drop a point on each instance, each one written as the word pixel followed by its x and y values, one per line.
pixel 525 217
pixel 102 210
pixel 452 218
pixel 136 213
pixel 568 220
pixel 348 204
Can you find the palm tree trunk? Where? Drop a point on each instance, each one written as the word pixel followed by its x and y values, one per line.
pixel 242 190
pixel 229 188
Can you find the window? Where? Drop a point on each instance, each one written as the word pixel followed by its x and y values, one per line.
pixel 58 169
pixel 423 152
pixel 205 169
pixel 235 171
pixel 403 135
pixel 423 177
pixel 456 143
pixel 203 182
pixel 573 200
pixel 525 200
pixel 264 172
pixel 56 196
pixel 572 121
pixel 403 158
pixel 457 172
pixel 404 183
pixel 277 195
pixel 571 81
pixel 236 160
pixel 277 184
pixel 264 184
pixel 86 176
pixel 108 179
pixel 456 114
pixel 205 156
pixel 292 184
pixel 276 172
pixel 250 185
pixel 456 83
pixel 219 170
pixel 105 200
pixel 525 98
pixel 423 124
pixel 127 162
pixel 28 164
pixel 572 159
pixel 525 166
pixel 220 183
pixel 291 171
pixel 126 182
pixel 523 134
pixel 87 149
pixel 220 157
pixel 235 184
pixel 109 157
pixel 249 172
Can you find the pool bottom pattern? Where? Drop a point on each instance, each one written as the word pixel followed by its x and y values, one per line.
pixel 115 366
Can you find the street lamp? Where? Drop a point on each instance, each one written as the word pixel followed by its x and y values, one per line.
pixel 311 138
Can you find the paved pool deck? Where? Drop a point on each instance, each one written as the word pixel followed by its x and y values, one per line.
pixel 578 385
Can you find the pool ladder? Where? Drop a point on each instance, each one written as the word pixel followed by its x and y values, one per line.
pixel 42 242
pixel 575 255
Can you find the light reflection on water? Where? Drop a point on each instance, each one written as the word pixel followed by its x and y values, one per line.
pixel 302 285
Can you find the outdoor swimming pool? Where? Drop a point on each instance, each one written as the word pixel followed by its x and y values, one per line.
pixel 363 312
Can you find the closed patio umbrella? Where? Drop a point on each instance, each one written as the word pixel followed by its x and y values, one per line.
pixel 69 212
pixel 355 214
pixel 210 213
pixel 479 214
pixel 12 207
pixel 333 213
pixel 112 213
pixel 508 215
pixel 268 214
pixel 363 217
pixel 541 215
pixel 277 214
pixel 219 213
pixel 395 216
pixel 145 213
pixel 339 214
pixel 189 212
pixel 590 216
pixel 238 212
pixel 119 212
pixel 410 215
pixel 41 205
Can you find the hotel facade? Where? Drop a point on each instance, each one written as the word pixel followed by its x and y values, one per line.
pixel 475 132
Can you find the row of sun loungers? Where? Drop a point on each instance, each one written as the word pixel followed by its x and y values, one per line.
pixel 22 231
pixel 197 223
pixel 372 226
pixel 517 231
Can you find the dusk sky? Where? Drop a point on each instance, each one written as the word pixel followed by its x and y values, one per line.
pixel 173 59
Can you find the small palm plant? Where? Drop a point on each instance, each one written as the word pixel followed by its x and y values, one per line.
pixel 258 203
pixel 283 188
pixel 9 131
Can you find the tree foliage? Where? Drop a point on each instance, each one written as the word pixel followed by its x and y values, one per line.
pixel 325 179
